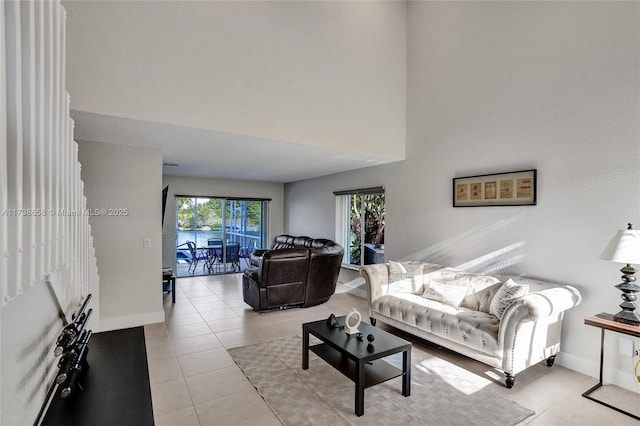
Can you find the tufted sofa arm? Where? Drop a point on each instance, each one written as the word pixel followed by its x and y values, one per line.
pixel 543 303
pixel 536 315
pixel 377 277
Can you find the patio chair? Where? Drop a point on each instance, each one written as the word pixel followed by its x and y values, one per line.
pixel 216 252
pixel 196 256
pixel 233 256
pixel 183 253
pixel 245 252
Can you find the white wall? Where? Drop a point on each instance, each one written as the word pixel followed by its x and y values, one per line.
pixel 30 326
pixel 125 177
pixel 503 86
pixel 179 185
pixel 318 73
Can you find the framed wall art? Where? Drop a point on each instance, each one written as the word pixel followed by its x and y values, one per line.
pixel 498 189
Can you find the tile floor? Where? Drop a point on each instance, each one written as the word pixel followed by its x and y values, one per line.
pixel 195 382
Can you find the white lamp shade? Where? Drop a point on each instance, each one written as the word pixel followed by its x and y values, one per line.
pixel 624 247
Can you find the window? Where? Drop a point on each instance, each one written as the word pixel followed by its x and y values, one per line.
pixel 360 225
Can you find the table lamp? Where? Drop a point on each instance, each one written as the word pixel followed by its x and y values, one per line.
pixel 624 247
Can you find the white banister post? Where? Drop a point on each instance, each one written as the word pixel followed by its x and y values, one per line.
pixel 4 242
pixel 40 137
pixel 49 140
pixel 29 108
pixel 13 48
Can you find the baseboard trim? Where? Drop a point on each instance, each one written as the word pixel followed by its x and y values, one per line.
pixel 591 368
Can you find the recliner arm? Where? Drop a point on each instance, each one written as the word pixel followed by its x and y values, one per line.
pixel 259 252
pixel 251 273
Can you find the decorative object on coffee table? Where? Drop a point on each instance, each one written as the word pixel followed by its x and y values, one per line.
pixel 624 247
pixel 332 321
pixel 352 321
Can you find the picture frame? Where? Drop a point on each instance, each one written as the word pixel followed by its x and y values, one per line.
pixel 497 189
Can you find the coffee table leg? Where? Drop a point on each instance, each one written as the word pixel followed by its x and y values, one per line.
pixel 305 350
pixel 359 388
pixel 406 369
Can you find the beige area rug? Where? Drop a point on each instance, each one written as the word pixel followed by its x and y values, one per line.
pixel 441 393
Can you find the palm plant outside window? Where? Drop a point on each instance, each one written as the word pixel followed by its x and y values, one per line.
pixel 362 223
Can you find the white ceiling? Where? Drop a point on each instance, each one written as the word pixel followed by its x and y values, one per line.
pixel 213 154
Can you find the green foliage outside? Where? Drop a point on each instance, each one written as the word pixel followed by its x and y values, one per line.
pixel 209 213
pixel 373 223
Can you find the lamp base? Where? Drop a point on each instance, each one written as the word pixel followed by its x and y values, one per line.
pixel 627 317
pixel 629 289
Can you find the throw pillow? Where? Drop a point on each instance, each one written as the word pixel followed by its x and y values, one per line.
pixel 405 277
pixel 449 293
pixel 505 296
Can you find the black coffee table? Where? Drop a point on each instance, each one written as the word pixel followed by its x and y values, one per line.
pixel 358 360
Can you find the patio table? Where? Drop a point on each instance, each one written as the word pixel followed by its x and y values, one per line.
pixel 214 255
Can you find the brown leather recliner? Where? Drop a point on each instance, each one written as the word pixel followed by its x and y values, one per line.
pixel 325 260
pixel 305 275
pixel 280 242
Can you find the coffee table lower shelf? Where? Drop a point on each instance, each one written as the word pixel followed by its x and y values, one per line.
pixel 375 372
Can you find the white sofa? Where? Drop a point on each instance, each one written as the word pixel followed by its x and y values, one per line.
pixel 528 332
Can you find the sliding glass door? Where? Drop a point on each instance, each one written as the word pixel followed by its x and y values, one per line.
pixel 216 235
pixel 244 222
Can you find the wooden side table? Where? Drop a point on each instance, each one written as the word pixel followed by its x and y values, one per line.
pixel 605 322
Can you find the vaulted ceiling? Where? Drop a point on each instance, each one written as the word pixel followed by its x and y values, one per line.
pixel 272 91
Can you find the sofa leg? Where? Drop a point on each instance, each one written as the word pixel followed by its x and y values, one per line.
pixel 510 380
pixel 551 360
pixel 373 321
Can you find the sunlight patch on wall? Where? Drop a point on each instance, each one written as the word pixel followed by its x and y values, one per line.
pixel 496 261
pixel 475 240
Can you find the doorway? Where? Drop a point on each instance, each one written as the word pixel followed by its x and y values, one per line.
pixel 217 235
